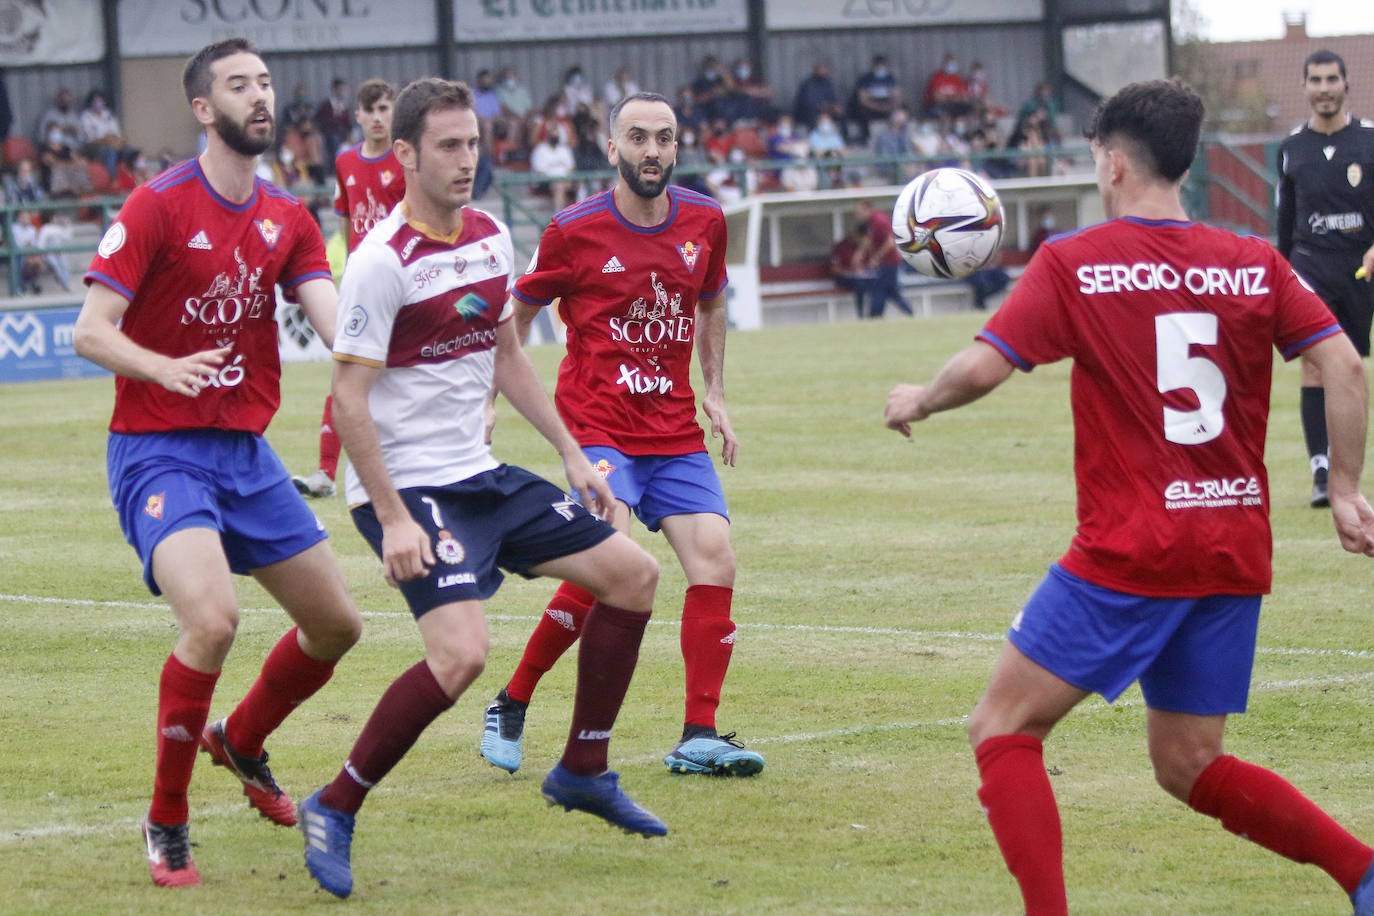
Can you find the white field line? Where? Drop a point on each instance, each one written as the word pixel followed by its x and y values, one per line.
pixel 1091 706
pixel 745 625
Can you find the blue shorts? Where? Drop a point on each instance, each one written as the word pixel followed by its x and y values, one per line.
pixel 504 517
pixel 226 480
pixel 1191 655
pixel 657 486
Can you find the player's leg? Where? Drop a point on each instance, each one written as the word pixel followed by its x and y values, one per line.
pixel 502 743
pixel 456 640
pixel 320 482
pixel 1312 409
pixel 1200 676
pixel 895 284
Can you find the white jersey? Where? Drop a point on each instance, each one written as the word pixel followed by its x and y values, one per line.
pixel 425 312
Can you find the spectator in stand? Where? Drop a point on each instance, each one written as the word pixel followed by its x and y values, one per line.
pixel 334 119
pixel 749 99
pixel 893 141
pixel 297 111
pixel 876 95
pixel 883 258
pixel 689 114
pixel 23 187
pixel 947 94
pixel 984 140
pixel 62 115
pixel 576 89
pixel 589 146
pixel 24 234
pixel 1042 100
pixel 486 104
pixel 1029 138
pixel 978 90
pixel 619 86
pixel 55 231
pixel 719 141
pixel 710 86
pixel 555 118
pixel 1044 228
pixel 816 95
pixel 552 158
pixel 303 149
pixel 690 156
pixel 849 265
pixel 786 143
pixel 516 105
pixel 101 137
pixel 62 169
pixel 827 142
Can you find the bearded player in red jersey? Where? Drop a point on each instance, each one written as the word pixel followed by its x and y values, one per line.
pixel 180 307
pixel 1171 327
pixel 640 269
pixel 368 182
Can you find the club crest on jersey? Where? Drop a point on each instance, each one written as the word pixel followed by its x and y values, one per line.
pixel 603 468
pixel 493 262
pixel 387 177
pixel 269 231
pixel 460 264
pixel 1353 174
pixel 689 253
pixel 447 549
pixel 154 507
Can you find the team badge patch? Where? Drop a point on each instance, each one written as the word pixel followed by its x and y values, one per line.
pixel 154 506
pixel 269 231
pixel 1353 174
pixel 689 253
pixel 387 177
pixel 357 320
pixel 603 468
pixel 112 240
pixel 449 550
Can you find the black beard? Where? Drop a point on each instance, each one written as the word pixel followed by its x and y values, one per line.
pixel 236 137
pixel 645 188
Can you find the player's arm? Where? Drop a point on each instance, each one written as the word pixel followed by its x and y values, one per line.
pixel 320 300
pixel 1286 200
pixel 517 380
pixel 97 337
pixel 710 339
pixel 406 550
pixel 972 373
pixel 1347 409
pixel 525 313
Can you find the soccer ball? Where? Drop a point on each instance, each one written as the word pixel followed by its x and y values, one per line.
pixel 947 223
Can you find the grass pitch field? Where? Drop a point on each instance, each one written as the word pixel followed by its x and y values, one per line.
pixel 876 577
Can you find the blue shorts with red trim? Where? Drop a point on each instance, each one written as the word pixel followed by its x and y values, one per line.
pixel 657 486
pixel 225 480
pixel 504 517
pixel 1191 655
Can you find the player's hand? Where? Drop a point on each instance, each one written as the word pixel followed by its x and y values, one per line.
pixel 588 486
pixel 1354 523
pixel 488 420
pixel 721 428
pixel 1367 265
pixel 406 551
pixel 188 375
pixel 905 405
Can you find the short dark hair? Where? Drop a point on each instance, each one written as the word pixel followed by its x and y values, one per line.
pixel 421 97
pixel 374 90
pixel 196 79
pixel 635 97
pixel 1324 57
pixel 1160 119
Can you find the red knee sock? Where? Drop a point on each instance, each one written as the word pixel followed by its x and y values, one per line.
pixel 1021 810
pixel 557 630
pixel 605 663
pixel 1265 808
pixel 708 637
pixel 413 700
pixel 289 677
pixel 183 705
pixel 329 441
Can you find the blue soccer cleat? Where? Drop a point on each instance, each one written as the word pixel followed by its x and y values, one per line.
pixel 602 796
pixel 504 733
pixel 328 836
pixel 1363 897
pixel 714 755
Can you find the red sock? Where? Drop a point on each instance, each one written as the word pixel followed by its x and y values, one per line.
pixel 183 705
pixel 329 441
pixel 557 630
pixel 413 700
pixel 1021 810
pixel 289 677
pixel 605 663
pixel 708 637
pixel 1265 808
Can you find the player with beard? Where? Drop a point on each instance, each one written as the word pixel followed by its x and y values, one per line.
pixel 640 270
pixel 1326 228
pixel 180 307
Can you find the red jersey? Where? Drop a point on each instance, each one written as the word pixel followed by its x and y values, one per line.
pixel 199 273
pixel 629 302
pixel 365 190
pixel 1171 327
